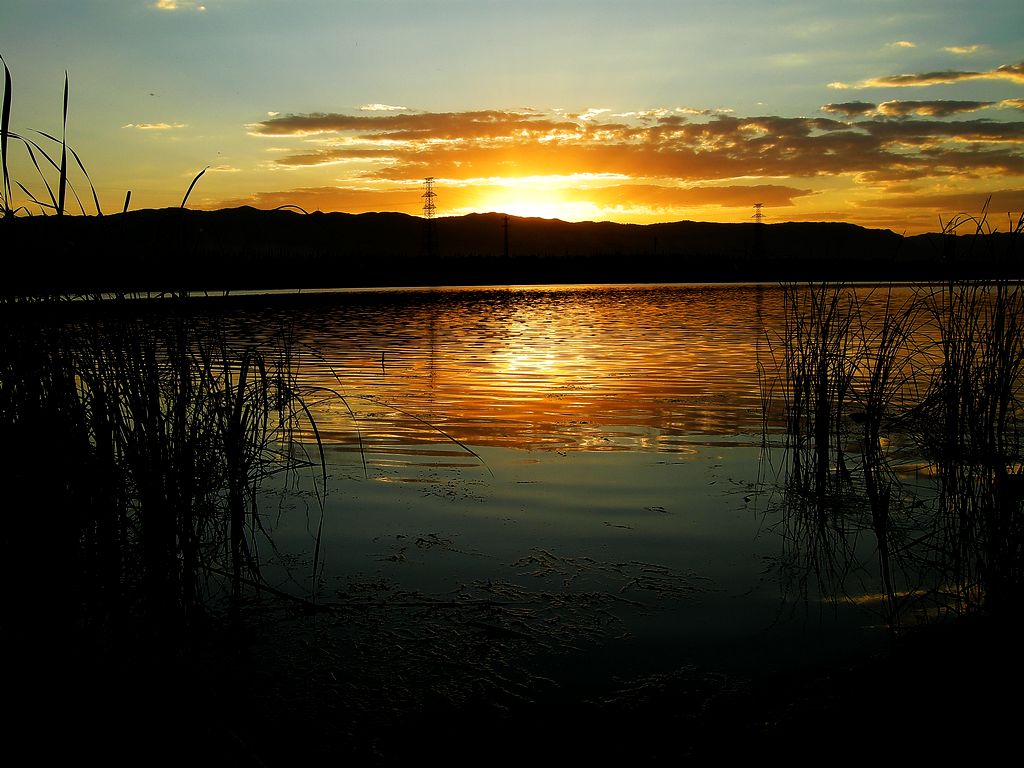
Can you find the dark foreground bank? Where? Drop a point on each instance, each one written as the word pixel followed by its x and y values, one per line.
pixel 949 691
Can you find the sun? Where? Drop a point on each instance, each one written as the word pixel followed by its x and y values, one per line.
pixel 539 202
pixel 544 203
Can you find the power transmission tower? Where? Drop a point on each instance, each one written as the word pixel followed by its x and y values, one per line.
pixel 429 209
pixel 757 250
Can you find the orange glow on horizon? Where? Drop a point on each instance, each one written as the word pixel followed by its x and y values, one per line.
pixel 539 202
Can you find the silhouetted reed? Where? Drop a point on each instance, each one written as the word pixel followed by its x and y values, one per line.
pixel 144 439
pixel 41 159
pixel 974 432
pixel 868 383
pixel 142 427
pixel 818 371
pixel 816 357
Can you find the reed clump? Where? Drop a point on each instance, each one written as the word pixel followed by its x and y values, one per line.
pixel 973 430
pixel 137 443
pixel 138 429
pixel 871 383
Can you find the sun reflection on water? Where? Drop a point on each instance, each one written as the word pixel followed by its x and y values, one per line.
pixel 549 368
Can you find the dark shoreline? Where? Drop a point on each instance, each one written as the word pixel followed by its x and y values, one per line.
pixel 247 249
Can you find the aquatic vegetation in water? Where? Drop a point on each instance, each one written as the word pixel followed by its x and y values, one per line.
pixel 138 445
pixel 938 378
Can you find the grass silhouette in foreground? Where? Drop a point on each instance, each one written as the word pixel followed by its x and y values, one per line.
pixel 938 378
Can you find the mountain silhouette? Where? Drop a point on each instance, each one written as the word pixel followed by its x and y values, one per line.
pixel 245 248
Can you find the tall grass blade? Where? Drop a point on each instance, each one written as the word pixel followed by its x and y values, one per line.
pixel 5 129
pixel 190 186
pixel 92 187
pixel 440 431
pixel 43 206
pixel 32 156
pixel 127 199
pixel 71 186
pixel 320 499
pixel 63 181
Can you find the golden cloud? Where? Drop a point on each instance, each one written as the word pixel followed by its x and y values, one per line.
pixel 962 50
pixel 1000 201
pixel 1012 72
pixel 668 197
pixel 178 5
pixel 154 126
pixel 511 145
pixel 851 108
pixel 931 108
pixel 489 123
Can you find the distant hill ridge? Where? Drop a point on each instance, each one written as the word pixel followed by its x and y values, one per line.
pixel 245 247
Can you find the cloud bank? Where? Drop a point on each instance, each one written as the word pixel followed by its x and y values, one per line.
pixel 671 148
pixel 1012 72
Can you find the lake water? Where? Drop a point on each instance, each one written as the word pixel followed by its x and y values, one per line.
pixel 595 452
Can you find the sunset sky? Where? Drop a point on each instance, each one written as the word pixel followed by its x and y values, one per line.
pixel 886 113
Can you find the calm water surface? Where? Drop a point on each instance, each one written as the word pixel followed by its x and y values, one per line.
pixel 560 439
